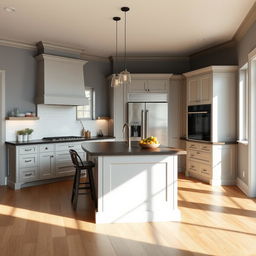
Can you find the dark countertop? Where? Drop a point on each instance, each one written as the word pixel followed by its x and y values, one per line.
pixel 16 143
pixel 209 142
pixel 121 148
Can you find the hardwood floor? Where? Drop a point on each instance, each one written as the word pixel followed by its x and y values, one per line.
pixel 40 221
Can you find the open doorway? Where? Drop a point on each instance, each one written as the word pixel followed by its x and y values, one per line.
pixel 2 128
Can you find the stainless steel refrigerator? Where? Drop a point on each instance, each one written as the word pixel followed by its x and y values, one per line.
pixel 148 119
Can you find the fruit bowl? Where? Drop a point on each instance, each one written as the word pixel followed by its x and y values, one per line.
pixel 149 145
pixel 150 142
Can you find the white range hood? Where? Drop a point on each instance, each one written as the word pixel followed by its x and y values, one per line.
pixel 60 81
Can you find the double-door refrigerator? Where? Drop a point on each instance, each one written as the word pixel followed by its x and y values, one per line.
pixel 148 119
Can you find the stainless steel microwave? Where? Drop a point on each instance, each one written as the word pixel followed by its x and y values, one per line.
pixel 199 122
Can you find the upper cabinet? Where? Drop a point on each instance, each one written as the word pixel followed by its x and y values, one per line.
pixel 199 90
pixel 149 83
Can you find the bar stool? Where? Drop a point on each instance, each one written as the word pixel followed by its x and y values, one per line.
pixel 81 165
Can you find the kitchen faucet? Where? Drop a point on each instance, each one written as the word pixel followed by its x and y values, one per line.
pixel 128 133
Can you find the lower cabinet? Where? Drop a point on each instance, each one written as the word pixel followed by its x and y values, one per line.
pixel 215 164
pixel 40 162
pixel 47 165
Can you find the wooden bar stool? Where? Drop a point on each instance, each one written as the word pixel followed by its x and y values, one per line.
pixel 81 165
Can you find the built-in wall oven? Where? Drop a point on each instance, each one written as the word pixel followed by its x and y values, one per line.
pixel 199 122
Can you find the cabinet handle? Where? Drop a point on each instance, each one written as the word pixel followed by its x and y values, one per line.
pixel 198 153
pixel 28 150
pixel 28 174
pixel 192 155
pixel 70 146
pixel 204 170
pixel 28 161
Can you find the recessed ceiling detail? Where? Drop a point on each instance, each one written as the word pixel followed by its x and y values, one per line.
pixel 156 28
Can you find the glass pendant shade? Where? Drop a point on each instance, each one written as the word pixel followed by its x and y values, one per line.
pixel 125 77
pixel 115 81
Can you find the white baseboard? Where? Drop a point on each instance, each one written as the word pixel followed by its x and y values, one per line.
pixel 243 186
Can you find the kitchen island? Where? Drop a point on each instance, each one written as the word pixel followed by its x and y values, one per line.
pixel 134 185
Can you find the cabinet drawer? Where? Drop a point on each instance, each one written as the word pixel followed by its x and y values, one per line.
pixel 65 170
pixel 199 155
pixel 191 145
pixel 46 148
pixel 28 149
pixel 193 167
pixel 206 148
pixel 28 174
pixel 26 161
pixel 205 170
pixel 68 146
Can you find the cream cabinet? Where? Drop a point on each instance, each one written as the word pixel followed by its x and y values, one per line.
pixel 212 163
pixel 148 86
pixel 37 162
pixel 199 90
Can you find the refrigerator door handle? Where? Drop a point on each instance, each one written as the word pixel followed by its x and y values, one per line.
pixel 142 124
pixel 146 123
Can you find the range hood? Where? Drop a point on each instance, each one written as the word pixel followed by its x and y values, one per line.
pixel 60 81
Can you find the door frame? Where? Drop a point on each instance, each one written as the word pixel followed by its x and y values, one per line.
pixel 2 129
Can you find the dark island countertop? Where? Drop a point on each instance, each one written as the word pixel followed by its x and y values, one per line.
pixel 121 148
pixel 30 142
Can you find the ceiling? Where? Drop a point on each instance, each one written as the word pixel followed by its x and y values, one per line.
pixel 155 28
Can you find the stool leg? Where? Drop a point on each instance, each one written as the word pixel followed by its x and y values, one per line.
pixel 74 185
pixel 78 171
pixel 91 180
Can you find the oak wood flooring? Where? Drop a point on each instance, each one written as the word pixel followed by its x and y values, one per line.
pixel 40 221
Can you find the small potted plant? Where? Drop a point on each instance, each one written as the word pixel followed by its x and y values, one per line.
pixel 29 132
pixel 20 135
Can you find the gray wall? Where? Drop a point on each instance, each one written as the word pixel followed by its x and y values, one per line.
pixel 172 65
pixel 222 55
pixel 20 67
pixel 95 76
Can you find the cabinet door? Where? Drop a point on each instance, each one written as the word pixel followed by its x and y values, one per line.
pixel 193 92
pixel 205 84
pixel 138 85
pixel 157 85
pixel 46 165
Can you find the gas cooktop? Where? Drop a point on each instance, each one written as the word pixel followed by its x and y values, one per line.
pixel 60 138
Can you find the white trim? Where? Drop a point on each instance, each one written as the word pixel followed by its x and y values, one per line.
pixel 252 126
pixel 2 129
pixel 59 58
pixel 221 69
pixel 246 23
pixel 242 185
pixel 16 44
pixel 244 142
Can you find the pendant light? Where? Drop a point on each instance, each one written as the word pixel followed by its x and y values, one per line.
pixel 115 81
pixel 125 76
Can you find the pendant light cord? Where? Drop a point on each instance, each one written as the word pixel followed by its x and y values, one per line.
pixel 116 45
pixel 125 42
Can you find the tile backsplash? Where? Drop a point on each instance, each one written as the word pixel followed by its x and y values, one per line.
pixel 55 121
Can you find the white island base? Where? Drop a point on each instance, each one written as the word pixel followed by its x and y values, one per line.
pixel 136 188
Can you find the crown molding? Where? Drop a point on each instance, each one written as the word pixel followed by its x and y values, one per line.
pixel 220 69
pixel 214 48
pixel 86 56
pixel 246 24
pixel 16 44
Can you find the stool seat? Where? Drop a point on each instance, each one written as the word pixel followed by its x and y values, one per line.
pixel 79 166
